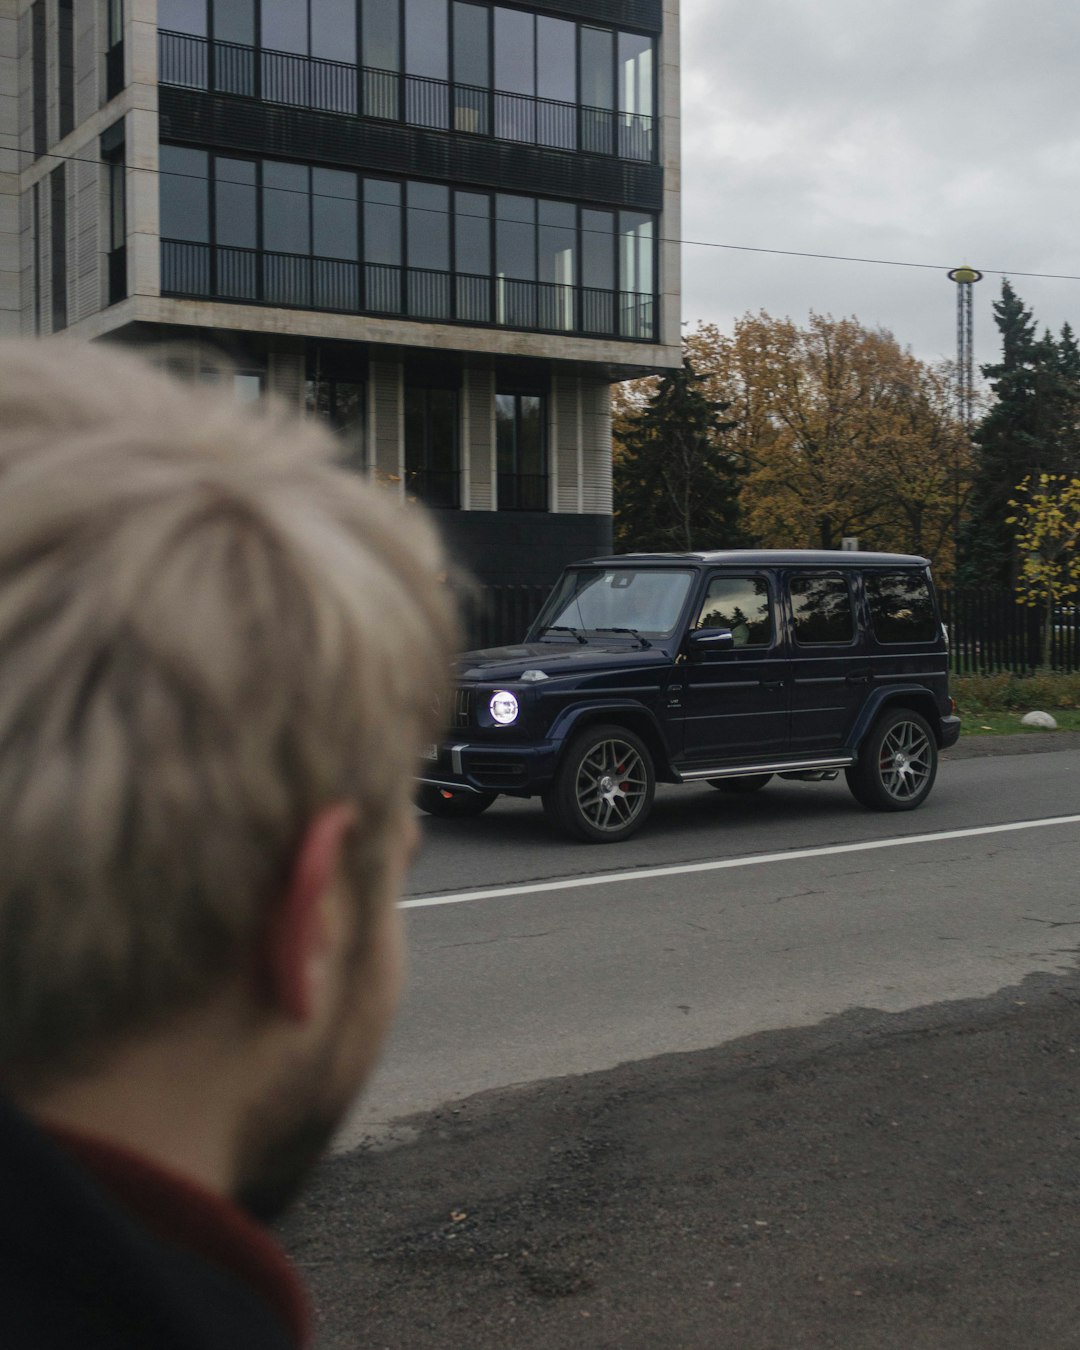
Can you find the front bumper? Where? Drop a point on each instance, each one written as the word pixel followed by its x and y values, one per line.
pixel 521 770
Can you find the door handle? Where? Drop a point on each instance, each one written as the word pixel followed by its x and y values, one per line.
pixel 857 679
pixel 772 684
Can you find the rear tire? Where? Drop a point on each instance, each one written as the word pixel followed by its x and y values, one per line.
pixel 447 805
pixel 604 788
pixel 753 782
pixel 897 762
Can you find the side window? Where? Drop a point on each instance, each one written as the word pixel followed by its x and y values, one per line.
pixel 901 607
pixel 741 604
pixel 821 609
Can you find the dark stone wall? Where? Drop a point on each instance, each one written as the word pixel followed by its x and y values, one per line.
pixel 522 548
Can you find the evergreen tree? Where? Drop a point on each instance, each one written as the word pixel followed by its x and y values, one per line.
pixel 1029 429
pixel 676 486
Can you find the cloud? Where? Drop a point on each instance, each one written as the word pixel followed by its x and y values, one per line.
pixel 932 131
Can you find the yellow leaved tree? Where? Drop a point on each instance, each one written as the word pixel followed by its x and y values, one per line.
pixel 1047 531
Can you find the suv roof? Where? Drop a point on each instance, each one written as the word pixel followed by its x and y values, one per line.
pixel 765 557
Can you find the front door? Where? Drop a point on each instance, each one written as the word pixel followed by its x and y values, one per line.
pixel 735 701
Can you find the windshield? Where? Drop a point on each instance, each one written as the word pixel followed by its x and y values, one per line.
pixel 646 601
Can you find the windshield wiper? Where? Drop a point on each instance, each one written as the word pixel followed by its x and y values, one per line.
pixel 632 631
pixel 562 628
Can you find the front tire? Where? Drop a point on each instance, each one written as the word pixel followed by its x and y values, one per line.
pixel 897 763
pixel 449 805
pixel 604 788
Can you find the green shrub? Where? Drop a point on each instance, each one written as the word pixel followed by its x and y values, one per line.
pixel 1002 693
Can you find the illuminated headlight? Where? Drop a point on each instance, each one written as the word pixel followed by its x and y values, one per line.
pixel 503 707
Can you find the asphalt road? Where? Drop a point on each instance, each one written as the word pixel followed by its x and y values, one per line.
pixel 761 1100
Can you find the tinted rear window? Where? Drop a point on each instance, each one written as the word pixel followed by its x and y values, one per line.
pixel 821 609
pixel 901 607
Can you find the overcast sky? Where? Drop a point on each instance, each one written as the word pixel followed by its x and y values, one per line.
pixel 928 131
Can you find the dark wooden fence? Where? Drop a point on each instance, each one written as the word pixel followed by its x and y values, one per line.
pixel 988 630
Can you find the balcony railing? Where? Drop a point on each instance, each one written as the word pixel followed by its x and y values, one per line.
pixel 298 281
pixel 334 86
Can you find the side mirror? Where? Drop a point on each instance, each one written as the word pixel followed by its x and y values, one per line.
pixel 704 642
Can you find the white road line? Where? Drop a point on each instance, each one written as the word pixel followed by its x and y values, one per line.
pixel 753 860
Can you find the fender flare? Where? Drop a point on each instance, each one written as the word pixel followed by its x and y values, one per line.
pixel 916 696
pixel 568 722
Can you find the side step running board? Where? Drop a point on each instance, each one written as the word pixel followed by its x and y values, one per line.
pixel 779 766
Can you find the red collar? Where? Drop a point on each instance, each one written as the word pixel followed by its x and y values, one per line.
pixel 187 1215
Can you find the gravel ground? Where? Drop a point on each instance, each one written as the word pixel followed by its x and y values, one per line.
pixel 905 1181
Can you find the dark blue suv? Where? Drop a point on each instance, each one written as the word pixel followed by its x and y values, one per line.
pixel 724 667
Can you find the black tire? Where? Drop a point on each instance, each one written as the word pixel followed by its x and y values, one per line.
pixel 753 782
pixel 897 762
pixel 604 788
pixel 449 805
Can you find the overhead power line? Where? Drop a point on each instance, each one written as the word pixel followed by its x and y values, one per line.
pixel 686 243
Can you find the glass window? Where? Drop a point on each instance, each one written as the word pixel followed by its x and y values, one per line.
pixel 515 55
pixel 472 245
pixel 115 20
pixel 598 249
pixel 381 34
pixel 515 237
pixel 285 25
pixel 181 16
pixel 556 65
pixel 648 601
pixel 234 21
pixel 117 174
pixel 185 197
pixel 597 67
pixel 821 609
pixel 557 238
pixel 426 38
pixel 636 252
pixel 471 44
pixel 333 30
pixel 286 208
pixel 431 445
pixel 382 222
pixel 234 202
pixel 333 214
pixel 741 604
pixel 341 403
pixel 429 226
pixel 521 452
pixel 635 74
pixel 901 607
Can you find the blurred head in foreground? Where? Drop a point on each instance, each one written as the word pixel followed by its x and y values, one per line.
pixel 219 654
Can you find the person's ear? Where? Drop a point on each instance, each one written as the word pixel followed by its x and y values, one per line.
pixel 308 927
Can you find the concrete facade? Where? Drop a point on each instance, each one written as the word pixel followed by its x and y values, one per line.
pixel 60 267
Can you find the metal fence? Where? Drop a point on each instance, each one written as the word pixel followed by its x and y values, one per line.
pixel 988 631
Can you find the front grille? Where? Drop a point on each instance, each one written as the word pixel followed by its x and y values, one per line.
pixel 460 708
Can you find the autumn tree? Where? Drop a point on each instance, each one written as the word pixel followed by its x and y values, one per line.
pixel 1046 528
pixel 675 480
pixel 843 433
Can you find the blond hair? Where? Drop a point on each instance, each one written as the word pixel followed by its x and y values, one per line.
pixel 208 631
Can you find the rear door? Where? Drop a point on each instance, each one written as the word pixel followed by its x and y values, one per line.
pixel 830 666
pixel 735 701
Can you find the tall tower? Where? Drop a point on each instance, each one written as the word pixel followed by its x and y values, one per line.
pixel 965 278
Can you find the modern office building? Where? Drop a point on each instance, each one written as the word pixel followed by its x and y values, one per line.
pixel 444 225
